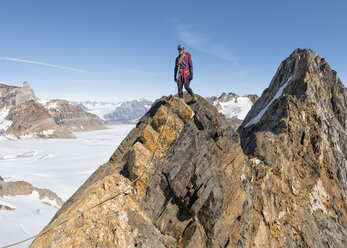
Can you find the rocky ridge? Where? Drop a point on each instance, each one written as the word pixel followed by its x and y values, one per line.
pixel 194 182
pixel 181 195
pixel 231 105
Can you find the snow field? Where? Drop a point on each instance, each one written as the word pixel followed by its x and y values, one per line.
pixel 61 165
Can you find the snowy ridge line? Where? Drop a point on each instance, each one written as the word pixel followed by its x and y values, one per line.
pixel 262 112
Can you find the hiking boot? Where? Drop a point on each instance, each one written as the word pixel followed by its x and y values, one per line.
pixel 194 97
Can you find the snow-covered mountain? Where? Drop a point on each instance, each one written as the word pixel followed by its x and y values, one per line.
pixel 233 106
pixel 22 114
pixel 97 108
pixel 110 112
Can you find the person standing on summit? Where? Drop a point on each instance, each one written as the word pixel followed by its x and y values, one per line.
pixel 184 66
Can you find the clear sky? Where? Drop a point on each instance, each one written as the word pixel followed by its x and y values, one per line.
pixel 124 50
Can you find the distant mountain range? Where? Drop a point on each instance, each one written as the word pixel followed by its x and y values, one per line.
pixel 110 112
pixel 22 114
pixel 234 107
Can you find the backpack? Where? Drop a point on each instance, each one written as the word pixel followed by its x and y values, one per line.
pixel 180 60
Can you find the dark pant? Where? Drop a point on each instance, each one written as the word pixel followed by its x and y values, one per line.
pixel 180 84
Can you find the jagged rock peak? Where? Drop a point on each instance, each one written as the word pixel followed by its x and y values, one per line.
pixel 304 75
pixel 13 96
pixel 296 139
pixel 193 184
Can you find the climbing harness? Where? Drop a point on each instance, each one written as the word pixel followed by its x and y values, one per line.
pixel 182 72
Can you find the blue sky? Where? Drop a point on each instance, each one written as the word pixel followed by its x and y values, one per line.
pixel 123 50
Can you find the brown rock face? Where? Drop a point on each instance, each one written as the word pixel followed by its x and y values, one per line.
pixel 191 185
pixel 21 113
pixel 31 118
pixel 12 96
pixel 187 182
pixel 73 117
pixel 295 136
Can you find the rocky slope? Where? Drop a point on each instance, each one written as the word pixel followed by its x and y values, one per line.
pixel 182 197
pixel 31 119
pixel 23 114
pixel 74 118
pixel 184 178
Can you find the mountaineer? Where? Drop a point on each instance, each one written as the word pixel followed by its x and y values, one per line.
pixel 184 66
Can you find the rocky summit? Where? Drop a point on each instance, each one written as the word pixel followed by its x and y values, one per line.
pixel 184 178
pixel 189 175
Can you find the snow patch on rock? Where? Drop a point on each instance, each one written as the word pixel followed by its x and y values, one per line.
pixel 48 132
pixel 261 113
